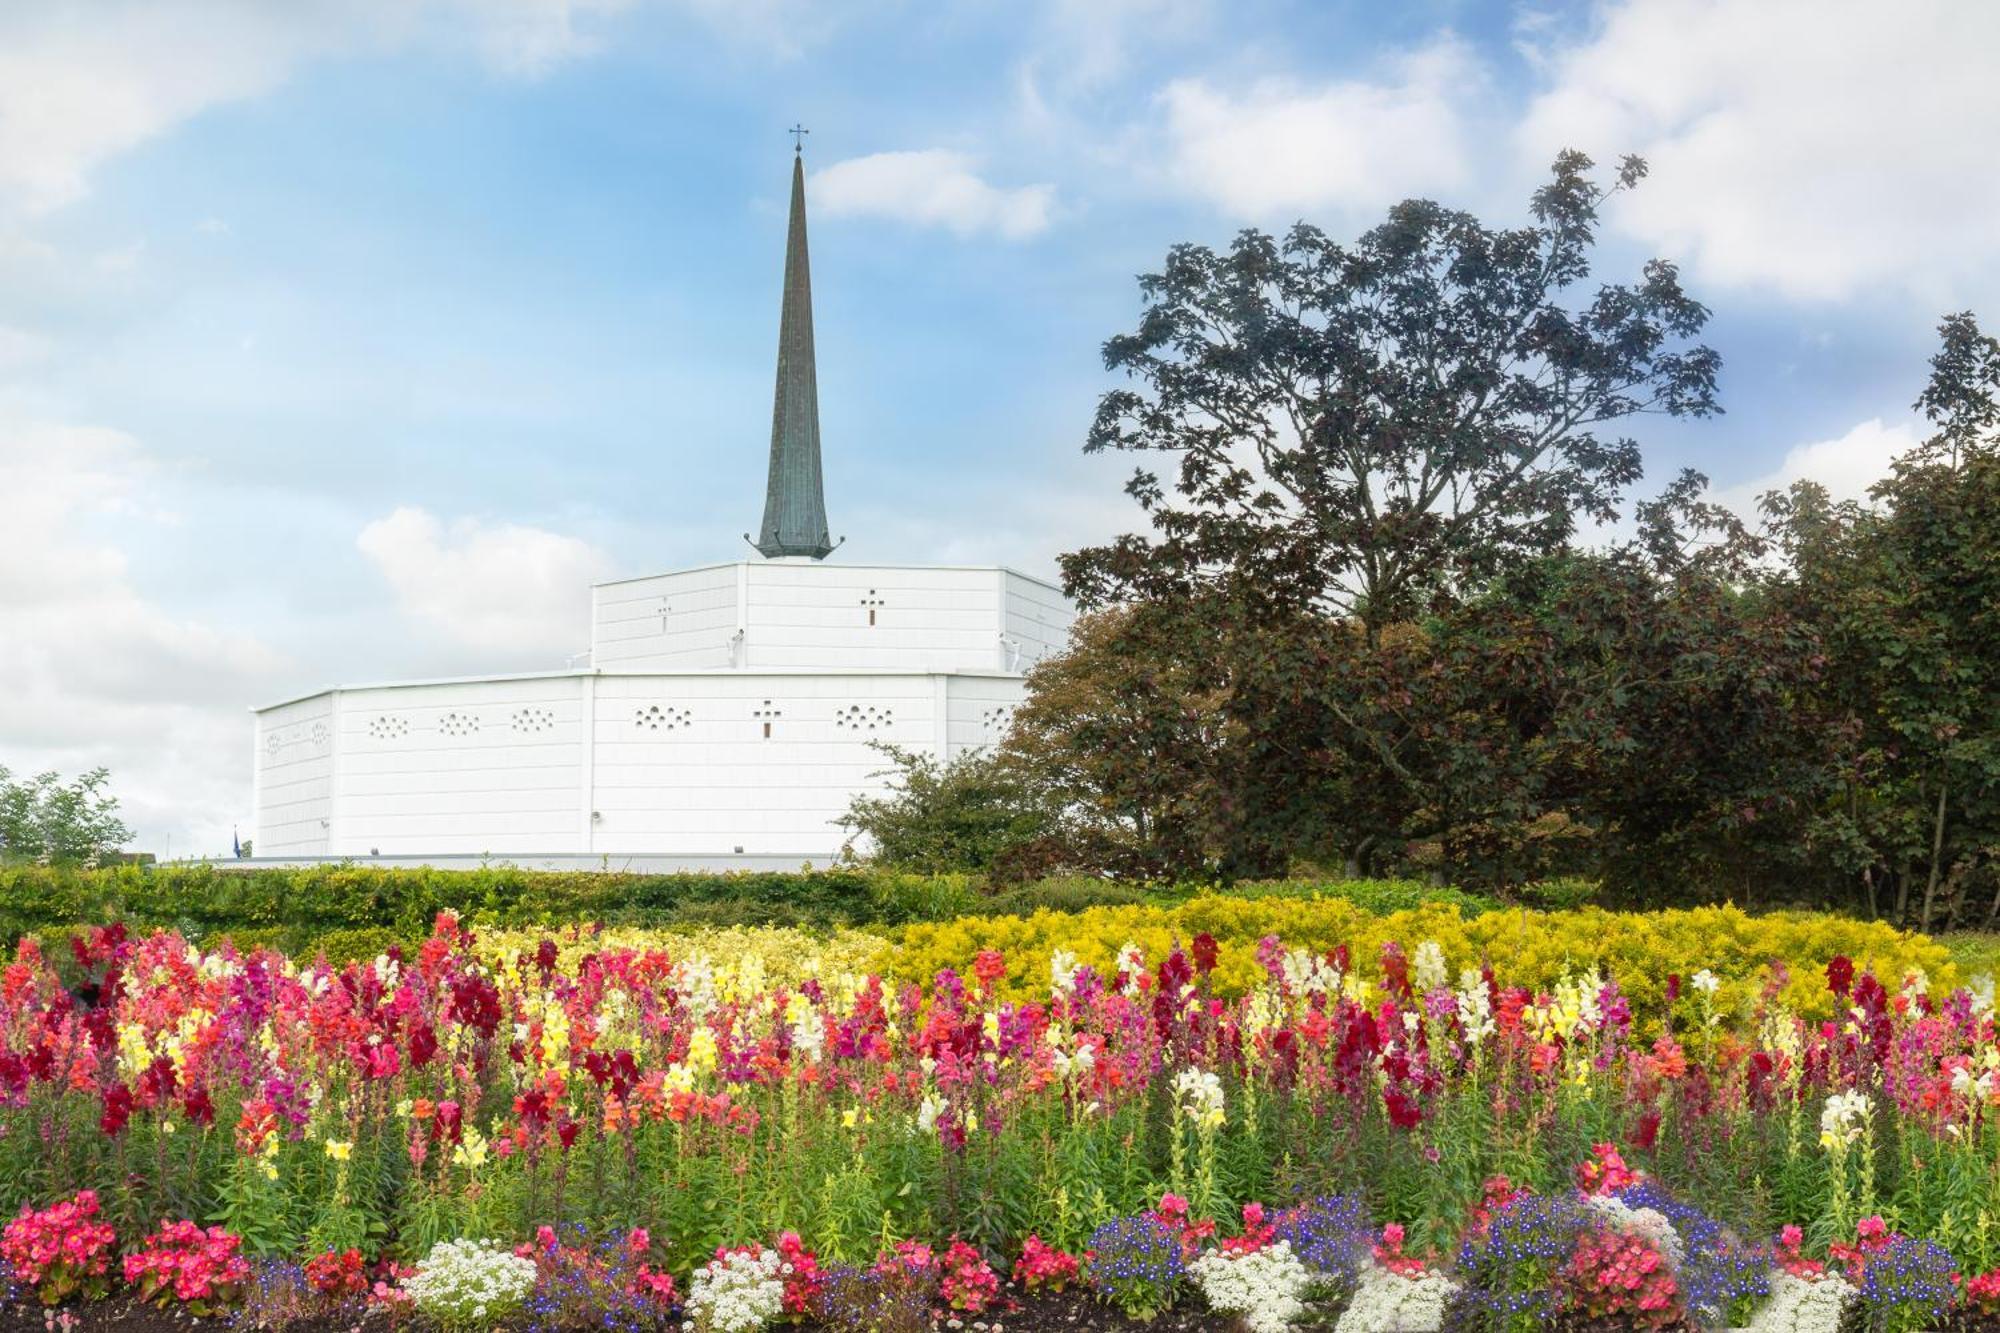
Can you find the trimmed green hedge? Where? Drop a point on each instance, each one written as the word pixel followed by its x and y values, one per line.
pixel 354 909
pixel 206 900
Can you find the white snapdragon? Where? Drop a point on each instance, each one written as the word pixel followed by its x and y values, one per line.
pixel 1981 989
pixel 470 1283
pixel 1198 1094
pixel 1309 974
pixel 1475 1006
pixel 1132 963
pixel 1266 1288
pixel 1843 1119
pixel 1802 1305
pixel 1067 1063
pixel 1428 969
pixel 1062 973
pixel 1706 982
pixel 737 1293
pixel 1388 1302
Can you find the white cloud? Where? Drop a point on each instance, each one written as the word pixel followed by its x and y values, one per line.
pixel 500 587
pixel 1812 147
pixel 80 84
pixel 1847 465
pixel 931 188
pixel 1085 44
pixel 531 37
pixel 1281 148
pixel 77 86
pixel 95 672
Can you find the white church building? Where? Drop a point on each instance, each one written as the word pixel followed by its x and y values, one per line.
pixel 726 716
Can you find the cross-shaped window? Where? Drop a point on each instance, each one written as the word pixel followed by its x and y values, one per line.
pixel 872 601
pixel 767 712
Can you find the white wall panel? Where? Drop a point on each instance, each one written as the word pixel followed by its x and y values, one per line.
pixel 489 766
pixel 293 778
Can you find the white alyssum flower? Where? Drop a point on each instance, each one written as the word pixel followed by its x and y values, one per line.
pixel 1388 1302
pixel 470 1284
pixel 1428 969
pixel 1266 1287
pixel 1802 1305
pixel 1649 1224
pixel 736 1293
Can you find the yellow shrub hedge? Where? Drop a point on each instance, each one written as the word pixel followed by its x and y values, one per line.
pixel 1529 948
pixel 773 955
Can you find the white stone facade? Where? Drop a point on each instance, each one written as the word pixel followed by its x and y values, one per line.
pixel 727 713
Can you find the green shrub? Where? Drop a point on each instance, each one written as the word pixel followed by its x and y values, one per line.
pixel 340 947
pixel 249 939
pixel 205 902
pixel 1061 895
pixel 1562 894
pixel 1378 897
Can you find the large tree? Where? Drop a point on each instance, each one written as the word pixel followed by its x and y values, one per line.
pixel 1905 594
pixel 1357 429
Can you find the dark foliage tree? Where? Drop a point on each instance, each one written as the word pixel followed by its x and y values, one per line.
pixel 1358 429
pixel 1904 593
pixel 1125 733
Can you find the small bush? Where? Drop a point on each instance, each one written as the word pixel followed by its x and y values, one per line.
pixel 341 947
pixel 470 1284
pixel 1138 1264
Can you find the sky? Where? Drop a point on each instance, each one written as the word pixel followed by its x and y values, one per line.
pixel 351 340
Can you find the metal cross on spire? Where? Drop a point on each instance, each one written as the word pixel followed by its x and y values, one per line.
pixel 798 133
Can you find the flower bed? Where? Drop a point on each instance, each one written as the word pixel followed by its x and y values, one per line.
pixel 604 1133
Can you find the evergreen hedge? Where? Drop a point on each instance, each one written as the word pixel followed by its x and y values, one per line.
pixel 354 909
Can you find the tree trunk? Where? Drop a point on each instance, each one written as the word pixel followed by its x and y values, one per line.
pixel 1937 857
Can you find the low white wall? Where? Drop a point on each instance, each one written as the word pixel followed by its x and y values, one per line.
pixel 594 764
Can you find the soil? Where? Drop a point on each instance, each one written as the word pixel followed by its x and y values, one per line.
pixel 1070 1313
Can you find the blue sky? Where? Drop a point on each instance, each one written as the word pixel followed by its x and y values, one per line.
pixel 350 339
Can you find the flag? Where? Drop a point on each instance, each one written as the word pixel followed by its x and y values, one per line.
pixel 236 843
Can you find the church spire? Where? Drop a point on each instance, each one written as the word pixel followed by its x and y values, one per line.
pixel 795 498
